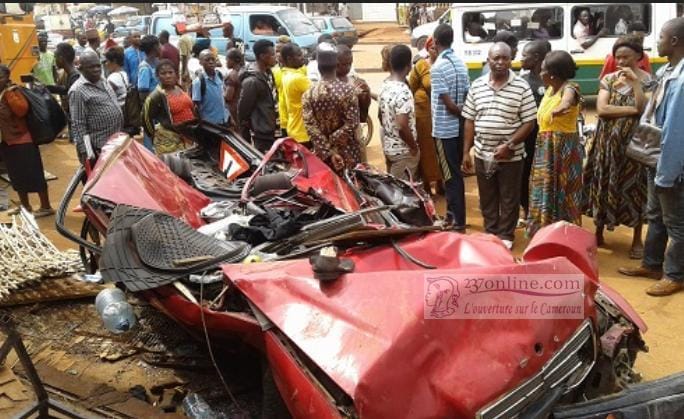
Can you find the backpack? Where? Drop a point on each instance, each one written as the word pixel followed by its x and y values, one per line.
pixel 203 83
pixel 45 119
pixel 132 108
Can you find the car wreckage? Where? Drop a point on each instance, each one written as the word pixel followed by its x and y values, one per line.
pixel 326 276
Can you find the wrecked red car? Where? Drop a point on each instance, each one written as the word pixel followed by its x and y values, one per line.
pixel 378 328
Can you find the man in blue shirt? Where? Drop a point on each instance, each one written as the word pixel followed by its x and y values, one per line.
pixel 665 207
pixel 449 87
pixel 207 91
pixel 133 57
pixel 147 74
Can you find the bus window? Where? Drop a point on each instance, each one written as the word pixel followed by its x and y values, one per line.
pixel 526 24
pixel 610 19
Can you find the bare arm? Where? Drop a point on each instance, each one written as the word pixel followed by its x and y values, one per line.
pixel 451 106
pixel 607 111
pixel 568 100
pixel 405 132
pixel 468 141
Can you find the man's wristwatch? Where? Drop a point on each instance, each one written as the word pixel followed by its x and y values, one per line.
pixel 510 145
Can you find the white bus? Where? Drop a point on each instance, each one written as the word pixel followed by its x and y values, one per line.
pixel 555 22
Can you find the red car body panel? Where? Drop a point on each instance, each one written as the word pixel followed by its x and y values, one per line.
pixel 303 398
pixel 368 333
pixel 222 326
pixel 314 175
pixel 127 173
pixel 565 239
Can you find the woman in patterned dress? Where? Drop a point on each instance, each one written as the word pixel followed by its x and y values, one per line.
pixel 617 184
pixel 166 108
pixel 420 84
pixel 556 179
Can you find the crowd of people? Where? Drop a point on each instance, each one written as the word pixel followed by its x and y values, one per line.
pixel 531 166
pixel 517 133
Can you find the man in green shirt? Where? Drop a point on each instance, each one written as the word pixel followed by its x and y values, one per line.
pixel 45 70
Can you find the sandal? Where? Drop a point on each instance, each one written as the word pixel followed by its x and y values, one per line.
pixel 43 212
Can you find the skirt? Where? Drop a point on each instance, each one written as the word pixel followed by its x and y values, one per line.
pixel 24 166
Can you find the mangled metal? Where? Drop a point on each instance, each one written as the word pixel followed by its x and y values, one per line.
pixel 345 332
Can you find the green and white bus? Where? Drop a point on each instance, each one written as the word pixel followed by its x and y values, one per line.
pixel 555 22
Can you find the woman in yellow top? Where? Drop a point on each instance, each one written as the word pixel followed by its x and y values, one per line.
pixel 420 84
pixel 556 179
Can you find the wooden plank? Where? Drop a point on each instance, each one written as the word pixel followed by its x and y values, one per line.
pixel 47 290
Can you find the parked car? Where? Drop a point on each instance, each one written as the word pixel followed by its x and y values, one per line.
pixel 121 33
pixel 339 27
pixel 359 345
pixel 280 19
pixel 140 23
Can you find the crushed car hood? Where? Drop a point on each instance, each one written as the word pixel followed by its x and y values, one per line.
pixel 127 173
pixel 367 330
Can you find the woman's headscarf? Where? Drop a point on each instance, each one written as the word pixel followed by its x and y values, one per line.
pixel 429 43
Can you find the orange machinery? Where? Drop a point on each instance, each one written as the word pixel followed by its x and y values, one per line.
pixel 18 38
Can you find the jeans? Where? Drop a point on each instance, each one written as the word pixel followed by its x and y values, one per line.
pixel 530 145
pixel 656 235
pixel 672 204
pixel 147 142
pixel 450 152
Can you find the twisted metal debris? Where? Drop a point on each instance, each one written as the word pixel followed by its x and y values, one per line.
pixel 26 255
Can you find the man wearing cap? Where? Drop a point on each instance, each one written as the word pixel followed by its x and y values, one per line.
pixel 93 38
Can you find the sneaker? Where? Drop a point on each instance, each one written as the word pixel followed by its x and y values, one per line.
pixel 664 287
pixel 508 244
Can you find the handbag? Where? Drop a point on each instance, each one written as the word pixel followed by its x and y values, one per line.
pixel 644 146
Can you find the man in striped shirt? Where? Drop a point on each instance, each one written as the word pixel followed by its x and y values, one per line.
pixel 500 112
pixel 450 82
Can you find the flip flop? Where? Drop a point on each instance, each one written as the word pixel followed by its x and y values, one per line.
pixel 43 212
